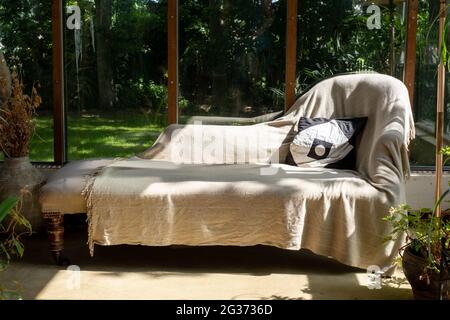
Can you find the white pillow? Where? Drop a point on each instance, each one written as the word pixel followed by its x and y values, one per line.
pixel 323 142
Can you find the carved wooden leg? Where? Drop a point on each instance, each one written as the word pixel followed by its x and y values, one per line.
pixel 55 230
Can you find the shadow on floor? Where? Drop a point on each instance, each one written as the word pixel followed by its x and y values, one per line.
pixel 255 260
pixel 326 278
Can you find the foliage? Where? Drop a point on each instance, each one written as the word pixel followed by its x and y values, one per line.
pixel 11 219
pixel 12 224
pixel 428 57
pixel 426 233
pixel 16 119
pixel 132 45
pixel 150 96
pixel 334 38
pixel 231 52
pixel 26 40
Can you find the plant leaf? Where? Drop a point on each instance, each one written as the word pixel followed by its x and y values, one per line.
pixel 19 247
pixel 440 200
pixel 6 206
pixel 5 252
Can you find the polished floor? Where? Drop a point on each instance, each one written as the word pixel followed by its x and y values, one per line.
pixel 137 272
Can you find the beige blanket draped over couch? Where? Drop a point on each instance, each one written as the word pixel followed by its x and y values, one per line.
pixel 182 192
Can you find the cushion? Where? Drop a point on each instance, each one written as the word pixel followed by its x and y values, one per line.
pixel 62 192
pixel 323 142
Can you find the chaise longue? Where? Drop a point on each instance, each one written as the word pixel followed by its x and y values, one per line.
pixel 233 185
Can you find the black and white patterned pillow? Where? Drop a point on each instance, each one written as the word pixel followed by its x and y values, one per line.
pixel 323 142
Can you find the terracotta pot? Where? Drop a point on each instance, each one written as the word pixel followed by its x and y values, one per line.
pixel 17 174
pixel 413 267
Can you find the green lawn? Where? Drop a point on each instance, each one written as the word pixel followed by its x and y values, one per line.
pixel 96 136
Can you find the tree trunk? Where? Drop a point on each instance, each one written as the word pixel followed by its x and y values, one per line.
pixel 217 64
pixel 434 11
pixel 5 80
pixel 103 14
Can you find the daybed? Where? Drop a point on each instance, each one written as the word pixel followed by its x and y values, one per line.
pixel 182 192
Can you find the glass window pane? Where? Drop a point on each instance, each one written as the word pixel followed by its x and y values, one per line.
pixel 423 147
pixel 116 70
pixel 343 36
pixel 26 41
pixel 232 57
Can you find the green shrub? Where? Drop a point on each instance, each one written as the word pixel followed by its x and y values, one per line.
pixel 11 223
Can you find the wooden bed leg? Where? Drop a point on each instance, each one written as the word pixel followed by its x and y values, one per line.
pixel 54 222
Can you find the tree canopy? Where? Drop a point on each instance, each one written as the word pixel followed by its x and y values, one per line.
pixel 232 52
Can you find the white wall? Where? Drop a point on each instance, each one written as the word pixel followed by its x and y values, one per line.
pixel 420 190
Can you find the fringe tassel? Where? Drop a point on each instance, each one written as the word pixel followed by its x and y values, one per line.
pixel 88 196
pixel 410 134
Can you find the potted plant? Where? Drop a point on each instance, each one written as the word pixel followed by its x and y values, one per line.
pixel 16 129
pixel 426 253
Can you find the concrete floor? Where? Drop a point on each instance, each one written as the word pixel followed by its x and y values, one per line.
pixel 136 272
